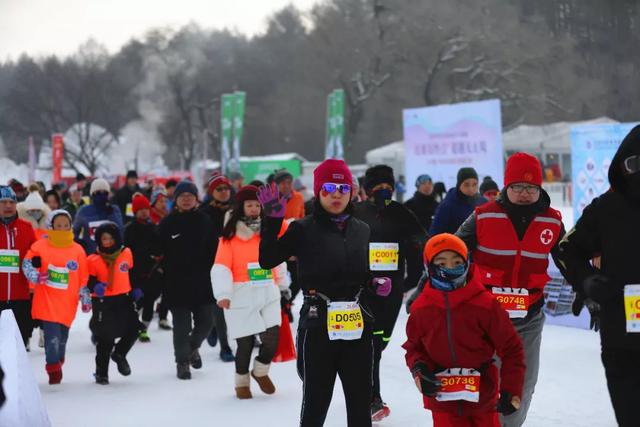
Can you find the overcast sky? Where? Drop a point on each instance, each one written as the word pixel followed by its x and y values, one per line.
pixel 40 27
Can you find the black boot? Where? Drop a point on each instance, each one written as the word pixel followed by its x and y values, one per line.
pixel 184 373
pixel 196 360
pixel 101 377
pixel 123 365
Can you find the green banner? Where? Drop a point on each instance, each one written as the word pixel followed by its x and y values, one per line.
pixel 238 130
pixel 328 144
pixel 338 113
pixel 226 123
pixel 261 169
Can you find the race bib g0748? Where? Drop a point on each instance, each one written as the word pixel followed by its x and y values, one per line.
pixel 259 276
pixel 632 307
pixel 459 384
pixel 384 256
pixel 514 300
pixel 9 261
pixel 58 277
pixel 344 320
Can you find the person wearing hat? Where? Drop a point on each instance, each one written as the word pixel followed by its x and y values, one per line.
pixel 249 295
pixel 489 189
pixel 16 237
pixel 511 239
pixel 219 193
pixel 188 244
pixel 74 202
pixel 458 204
pixel 159 206
pixel 395 246
pixel 236 180
pixel 123 197
pixel 98 212
pixel 35 210
pixel 610 228
pixel 19 189
pixel 423 204
pixel 454 330
pixel 335 327
pixel 113 298
pixel 58 266
pixel 295 201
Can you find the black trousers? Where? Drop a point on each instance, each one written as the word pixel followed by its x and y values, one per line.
pixel 104 348
pixel 623 381
pixel 191 325
pixel 22 312
pixel 319 361
pixel 220 326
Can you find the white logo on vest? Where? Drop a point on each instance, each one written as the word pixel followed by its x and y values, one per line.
pixel 546 237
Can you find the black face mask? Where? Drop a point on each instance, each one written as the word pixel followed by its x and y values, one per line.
pixel 633 186
pixel 382 198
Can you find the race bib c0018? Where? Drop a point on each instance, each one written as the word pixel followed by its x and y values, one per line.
pixel 58 277
pixel 384 256
pixel 514 300
pixel 459 384
pixel 632 307
pixel 344 320
pixel 259 276
pixel 9 261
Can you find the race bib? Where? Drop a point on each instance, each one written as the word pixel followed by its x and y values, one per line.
pixel 129 210
pixel 459 384
pixel 384 256
pixel 632 307
pixel 9 261
pixel 58 277
pixel 514 300
pixel 259 276
pixel 93 225
pixel 344 320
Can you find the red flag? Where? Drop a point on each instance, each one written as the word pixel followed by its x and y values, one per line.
pixel 57 157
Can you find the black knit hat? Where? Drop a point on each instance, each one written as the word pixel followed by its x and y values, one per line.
pixel 379 174
pixel 488 184
pixel 185 187
pixel 112 229
pixel 132 174
pixel 464 174
pixel 281 175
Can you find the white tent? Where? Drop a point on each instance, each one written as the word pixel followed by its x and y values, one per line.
pixel 390 154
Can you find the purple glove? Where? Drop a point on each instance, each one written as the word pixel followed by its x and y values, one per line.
pixel 136 294
pixel 42 278
pixel 99 289
pixel 382 286
pixel 272 204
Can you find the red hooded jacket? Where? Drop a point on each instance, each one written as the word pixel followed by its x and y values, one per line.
pixel 15 239
pixel 464 328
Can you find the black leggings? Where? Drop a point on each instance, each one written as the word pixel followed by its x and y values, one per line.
pixel 267 350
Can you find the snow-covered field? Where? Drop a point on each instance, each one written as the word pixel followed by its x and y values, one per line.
pixel 571 390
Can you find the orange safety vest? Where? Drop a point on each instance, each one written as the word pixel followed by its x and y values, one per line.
pixel 121 284
pixel 505 261
pixel 295 206
pixel 57 300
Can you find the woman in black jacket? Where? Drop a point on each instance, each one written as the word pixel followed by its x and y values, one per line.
pixel 335 329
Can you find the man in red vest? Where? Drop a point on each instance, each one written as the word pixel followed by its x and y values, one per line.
pixel 511 239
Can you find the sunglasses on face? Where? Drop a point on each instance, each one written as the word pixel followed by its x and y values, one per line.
pixel 632 164
pixel 222 189
pixel 530 189
pixel 331 188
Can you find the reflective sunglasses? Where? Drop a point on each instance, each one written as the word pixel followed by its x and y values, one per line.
pixel 632 164
pixel 331 188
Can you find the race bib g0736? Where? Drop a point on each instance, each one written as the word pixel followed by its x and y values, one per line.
pixel 344 320
pixel 632 307
pixel 58 277
pixel 384 256
pixel 259 276
pixel 514 300
pixel 459 384
pixel 9 261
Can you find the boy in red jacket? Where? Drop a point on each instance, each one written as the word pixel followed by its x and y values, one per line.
pixel 453 332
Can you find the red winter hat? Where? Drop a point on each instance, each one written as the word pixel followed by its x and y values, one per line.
pixel 331 170
pixel 139 202
pixel 248 192
pixel 215 181
pixel 523 167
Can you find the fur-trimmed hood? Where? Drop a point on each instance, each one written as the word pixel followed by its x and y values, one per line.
pixel 242 230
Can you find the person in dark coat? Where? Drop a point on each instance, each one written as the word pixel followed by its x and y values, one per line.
pixel 124 195
pixel 459 203
pixel 609 228
pixel 188 243
pixel 489 189
pixel 423 203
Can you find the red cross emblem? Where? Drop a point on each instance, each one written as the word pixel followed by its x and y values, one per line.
pixel 546 237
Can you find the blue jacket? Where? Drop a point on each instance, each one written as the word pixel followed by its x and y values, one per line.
pixel 88 218
pixel 453 211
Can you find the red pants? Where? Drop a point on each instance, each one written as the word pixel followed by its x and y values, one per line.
pixel 445 419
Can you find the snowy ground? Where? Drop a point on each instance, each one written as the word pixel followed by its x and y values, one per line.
pixel 571 390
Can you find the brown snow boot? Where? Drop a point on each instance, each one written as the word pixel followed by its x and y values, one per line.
pixel 260 373
pixel 243 391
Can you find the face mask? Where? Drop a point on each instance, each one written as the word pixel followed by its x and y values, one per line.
pixel 37 215
pixel 100 199
pixel 448 279
pixel 252 223
pixel 382 198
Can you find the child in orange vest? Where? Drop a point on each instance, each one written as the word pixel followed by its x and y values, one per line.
pixel 58 267
pixel 114 315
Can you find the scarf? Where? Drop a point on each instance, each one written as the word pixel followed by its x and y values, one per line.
pixel 60 238
pixel 340 221
pixel 110 260
pixel 253 223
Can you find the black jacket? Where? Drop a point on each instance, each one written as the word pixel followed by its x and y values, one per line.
pixel 142 239
pixel 330 261
pixel 396 224
pixel 609 227
pixel 188 244
pixel 216 215
pixel 123 197
pixel 424 207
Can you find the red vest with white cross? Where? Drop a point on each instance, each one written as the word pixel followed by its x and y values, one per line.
pixel 505 261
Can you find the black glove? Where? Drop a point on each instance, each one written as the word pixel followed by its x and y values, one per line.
pixel 600 288
pixel 36 261
pixel 505 407
pixel 429 384
pixel 285 304
pixel 577 305
pixel 594 311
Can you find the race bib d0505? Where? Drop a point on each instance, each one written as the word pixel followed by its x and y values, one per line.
pixel 344 320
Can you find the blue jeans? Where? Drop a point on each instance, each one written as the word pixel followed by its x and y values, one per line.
pixel 55 341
